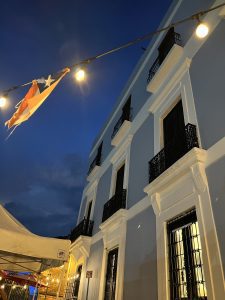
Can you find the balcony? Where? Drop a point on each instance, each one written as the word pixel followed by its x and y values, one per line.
pixel 173 151
pixel 117 202
pixel 121 128
pixel 170 52
pixel 85 228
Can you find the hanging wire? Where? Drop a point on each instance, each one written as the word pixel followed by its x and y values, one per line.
pixel 147 36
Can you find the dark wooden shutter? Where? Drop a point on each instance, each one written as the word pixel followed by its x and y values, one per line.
pixel 174 134
pixel 119 180
pixel 77 282
pixel 89 211
pixel 110 285
pixel 126 110
pixel 166 45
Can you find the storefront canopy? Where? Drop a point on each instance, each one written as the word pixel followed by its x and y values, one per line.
pixel 21 250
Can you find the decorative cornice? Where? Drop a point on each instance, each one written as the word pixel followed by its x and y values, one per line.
pixel 174 172
pixel 122 148
pixel 111 229
pixel 81 247
pixel 176 75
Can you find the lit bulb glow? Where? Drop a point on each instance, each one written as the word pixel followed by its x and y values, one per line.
pixel 80 75
pixel 202 30
pixel 2 286
pixel 2 101
pixel 14 286
pixel 0 277
pixel 25 286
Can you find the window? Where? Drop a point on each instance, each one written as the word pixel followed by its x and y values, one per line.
pixel 187 280
pixel 77 282
pixel 178 139
pixel 174 134
pixel 119 180
pixel 110 284
pixel 88 214
pixel 117 201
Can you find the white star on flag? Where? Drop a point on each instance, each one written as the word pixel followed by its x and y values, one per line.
pixel 48 81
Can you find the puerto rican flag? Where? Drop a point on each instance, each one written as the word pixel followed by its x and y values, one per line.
pixel 37 94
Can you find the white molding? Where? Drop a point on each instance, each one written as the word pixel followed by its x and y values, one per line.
pixel 216 152
pixel 180 188
pixel 120 157
pixel 81 247
pixel 174 172
pixel 114 235
pixel 166 68
pixel 93 173
pixel 122 132
pixel 177 87
pixel 222 12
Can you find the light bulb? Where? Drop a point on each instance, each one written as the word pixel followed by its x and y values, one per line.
pixel 202 30
pixel 3 101
pixel 25 286
pixel 2 286
pixel 80 75
pixel 0 277
pixel 14 286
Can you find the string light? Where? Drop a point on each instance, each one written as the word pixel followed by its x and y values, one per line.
pixel 80 75
pixel 202 30
pixel 3 101
pixel 2 286
pixel 14 286
pixel 25 286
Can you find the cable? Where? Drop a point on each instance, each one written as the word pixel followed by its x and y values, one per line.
pixel 128 44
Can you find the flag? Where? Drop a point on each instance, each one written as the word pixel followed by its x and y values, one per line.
pixel 37 94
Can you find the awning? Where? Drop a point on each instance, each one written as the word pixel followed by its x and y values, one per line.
pixel 21 250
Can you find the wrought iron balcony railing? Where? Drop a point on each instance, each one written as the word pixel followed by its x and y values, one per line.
pixel 95 162
pixel 170 39
pixel 127 116
pixel 117 202
pixel 184 142
pixel 85 227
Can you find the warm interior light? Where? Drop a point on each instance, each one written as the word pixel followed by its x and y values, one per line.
pixel 2 286
pixel 14 286
pixel 25 286
pixel 0 277
pixel 80 75
pixel 202 30
pixel 2 101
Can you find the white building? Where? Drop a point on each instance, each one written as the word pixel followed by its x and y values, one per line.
pixel 152 217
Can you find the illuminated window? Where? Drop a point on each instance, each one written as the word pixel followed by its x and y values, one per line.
pixel 187 280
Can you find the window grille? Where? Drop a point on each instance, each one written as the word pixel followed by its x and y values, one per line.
pixel 187 279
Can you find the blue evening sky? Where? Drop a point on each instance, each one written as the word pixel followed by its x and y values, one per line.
pixel 43 164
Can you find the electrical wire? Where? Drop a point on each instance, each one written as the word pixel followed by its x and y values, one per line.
pixel 139 39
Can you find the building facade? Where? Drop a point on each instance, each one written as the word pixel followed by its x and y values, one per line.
pixel 151 223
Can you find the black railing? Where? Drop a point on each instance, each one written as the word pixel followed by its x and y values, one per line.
pixel 170 39
pixel 125 117
pixel 184 142
pixel 95 162
pixel 85 227
pixel 117 202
